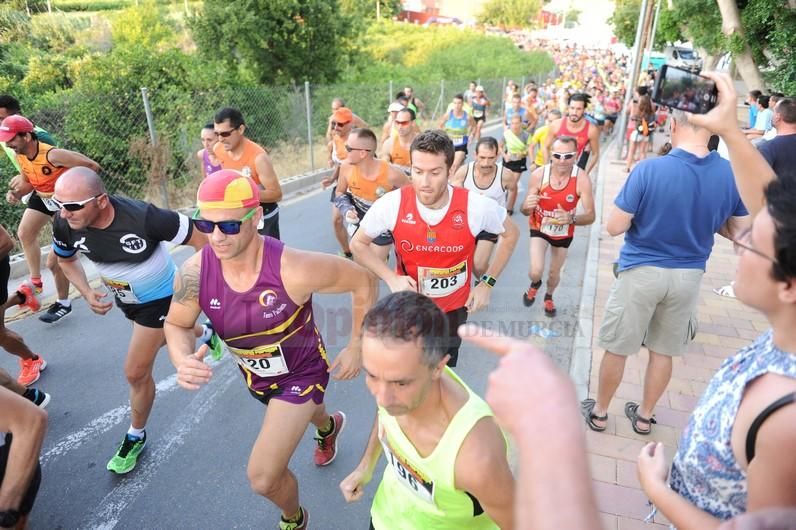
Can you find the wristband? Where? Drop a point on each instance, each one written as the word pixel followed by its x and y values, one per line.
pixel 488 280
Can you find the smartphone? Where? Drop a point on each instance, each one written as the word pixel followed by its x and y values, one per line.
pixel 680 89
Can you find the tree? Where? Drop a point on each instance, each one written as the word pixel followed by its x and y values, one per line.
pixel 510 13
pixel 277 41
pixel 366 9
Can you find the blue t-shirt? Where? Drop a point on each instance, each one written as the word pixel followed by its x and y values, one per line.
pixel 764 120
pixel 780 152
pixel 678 202
pixel 752 115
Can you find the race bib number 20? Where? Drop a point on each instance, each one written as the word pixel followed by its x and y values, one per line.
pixel 268 363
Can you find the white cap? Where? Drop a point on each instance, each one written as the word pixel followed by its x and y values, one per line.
pixel 395 107
pixel 479 88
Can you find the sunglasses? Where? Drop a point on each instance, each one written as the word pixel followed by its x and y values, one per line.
pixel 340 123
pixel 404 122
pixel 73 206
pixel 349 149
pixel 225 134
pixel 229 228
pixel 564 156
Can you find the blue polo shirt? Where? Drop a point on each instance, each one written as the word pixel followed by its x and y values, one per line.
pixel 678 202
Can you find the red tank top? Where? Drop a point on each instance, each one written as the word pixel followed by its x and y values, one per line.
pixel 439 257
pixel 581 137
pixel 542 218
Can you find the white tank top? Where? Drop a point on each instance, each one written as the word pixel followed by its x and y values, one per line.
pixel 494 191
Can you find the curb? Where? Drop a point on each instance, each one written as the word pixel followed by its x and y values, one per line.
pixel 580 365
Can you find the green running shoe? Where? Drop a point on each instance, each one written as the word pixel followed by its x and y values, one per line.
pixel 215 343
pixel 301 524
pixel 126 456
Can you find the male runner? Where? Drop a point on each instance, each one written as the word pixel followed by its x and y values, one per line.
pixel 516 109
pixel 459 126
pixel 515 144
pixel 413 102
pixel 389 129
pixel 343 124
pixel 576 126
pixel 480 104
pixel 363 180
pixel 235 151
pixel 396 148
pixel 434 226
pixel 338 103
pixel 540 136
pixel 446 457
pixel 485 176
pixel 257 294
pixel 40 167
pixel 554 191
pixel 205 155
pixel 22 430
pixel 9 106
pixel 31 364
pixel 124 239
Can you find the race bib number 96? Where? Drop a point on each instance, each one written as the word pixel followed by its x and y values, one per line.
pixel 408 477
pixel 436 283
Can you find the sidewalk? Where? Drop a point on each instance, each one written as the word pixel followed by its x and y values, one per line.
pixel 725 325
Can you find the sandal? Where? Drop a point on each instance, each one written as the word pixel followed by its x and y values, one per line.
pixel 727 290
pixel 586 408
pixel 631 411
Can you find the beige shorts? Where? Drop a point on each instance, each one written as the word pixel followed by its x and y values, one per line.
pixel 652 307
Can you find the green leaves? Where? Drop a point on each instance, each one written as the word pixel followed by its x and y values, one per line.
pixel 510 13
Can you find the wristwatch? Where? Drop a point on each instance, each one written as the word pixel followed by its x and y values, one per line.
pixel 574 218
pixel 489 280
pixel 9 518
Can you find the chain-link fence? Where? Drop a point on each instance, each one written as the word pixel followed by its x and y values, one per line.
pixel 147 142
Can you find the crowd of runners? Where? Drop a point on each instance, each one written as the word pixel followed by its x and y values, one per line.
pixel 412 214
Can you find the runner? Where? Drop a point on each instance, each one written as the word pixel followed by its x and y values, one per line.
pixel 459 126
pixel 205 155
pixel 469 94
pixel 9 106
pixel 480 103
pixel 30 364
pixel 258 296
pixel 488 177
pixel 413 102
pixel 554 191
pixel 41 165
pixel 343 123
pixel 362 181
pixel 389 129
pixel 447 466
pixel 396 148
pixel 23 428
pixel 338 103
pixel 235 151
pixel 434 226
pixel 579 128
pixel 515 146
pixel 516 109
pixel 539 137
pixel 124 239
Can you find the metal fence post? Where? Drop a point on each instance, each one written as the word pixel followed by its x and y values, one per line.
pixel 154 140
pixel 309 123
pixel 389 93
pixel 522 86
pixel 442 90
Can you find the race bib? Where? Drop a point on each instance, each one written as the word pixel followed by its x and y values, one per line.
pixel 478 113
pixel 263 362
pixel 436 283
pixel 49 204
pixel 122 290
pixel 411 479
pixel 551 227
pixel 457 140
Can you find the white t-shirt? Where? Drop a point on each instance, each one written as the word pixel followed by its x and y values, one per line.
pixel 483 214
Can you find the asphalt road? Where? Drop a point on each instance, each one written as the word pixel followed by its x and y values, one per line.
pixel 193 474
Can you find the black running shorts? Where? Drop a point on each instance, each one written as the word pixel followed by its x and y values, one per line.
pixel 149 314
pixel 558 243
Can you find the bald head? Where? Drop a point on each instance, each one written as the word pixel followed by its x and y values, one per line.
pixel 79 181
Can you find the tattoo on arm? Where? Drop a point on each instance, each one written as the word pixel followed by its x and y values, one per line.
pixel 186 286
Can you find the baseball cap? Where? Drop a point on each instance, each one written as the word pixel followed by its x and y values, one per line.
pixel 227 188
pixel 479 88
pixel 14 125
pixel 395 107
pixel 343 115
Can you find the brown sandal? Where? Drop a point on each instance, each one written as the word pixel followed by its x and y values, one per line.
pixel 631 411
pixel 586 410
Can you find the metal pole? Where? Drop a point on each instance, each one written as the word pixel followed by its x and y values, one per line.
pixel 503 101
pixel 154 140
pixel 389 94
pixel 442 90
pixel 622 125
pixel 654 29
pixel 309 123
pixel 522 86
pixel 378 9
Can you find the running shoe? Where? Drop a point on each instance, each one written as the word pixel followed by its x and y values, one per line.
pixel 126 456
pixel 214 343
pixel 302 524
pixel 30 298
pixel 529 297
pixel 549 307
pixel 38 286
pixel 37 397
pixel 31 370
pixel 55 312
pixel 327 445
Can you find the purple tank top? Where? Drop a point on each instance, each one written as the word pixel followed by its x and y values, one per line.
pixel 209 167
pixel 271 338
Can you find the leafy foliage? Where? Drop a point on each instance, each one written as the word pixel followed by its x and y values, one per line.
pixel 510 13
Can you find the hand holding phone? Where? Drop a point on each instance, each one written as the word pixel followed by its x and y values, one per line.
pixel 680 89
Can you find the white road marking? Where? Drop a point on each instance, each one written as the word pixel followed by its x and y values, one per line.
pixel 107 514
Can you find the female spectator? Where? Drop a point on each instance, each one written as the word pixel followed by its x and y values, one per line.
pixel 643 124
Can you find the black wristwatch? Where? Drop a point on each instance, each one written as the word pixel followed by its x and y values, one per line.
pixel 9 518
pixel 489 280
